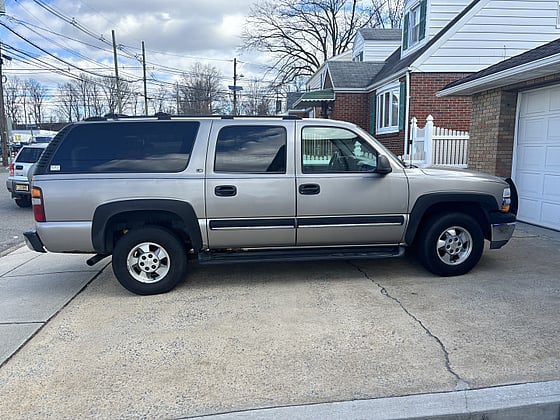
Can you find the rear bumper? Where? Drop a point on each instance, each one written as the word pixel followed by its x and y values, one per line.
pixel 33 241
pixel 502 226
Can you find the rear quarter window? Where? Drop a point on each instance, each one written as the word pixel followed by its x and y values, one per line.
pixel 127 146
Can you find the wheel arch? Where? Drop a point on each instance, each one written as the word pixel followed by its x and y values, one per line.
pixel 478 206
pixel 110 218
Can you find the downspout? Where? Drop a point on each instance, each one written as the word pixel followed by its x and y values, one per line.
pixel 407 115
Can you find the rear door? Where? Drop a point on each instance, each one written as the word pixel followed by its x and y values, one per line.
pixel 341 200
pixel 250 183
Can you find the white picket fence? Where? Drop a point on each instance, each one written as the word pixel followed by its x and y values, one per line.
pixel 437 146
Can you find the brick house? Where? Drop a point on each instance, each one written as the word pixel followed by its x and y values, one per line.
pixel 515 127
pixel 391 77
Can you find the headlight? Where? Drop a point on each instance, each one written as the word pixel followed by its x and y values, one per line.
pixel 506 200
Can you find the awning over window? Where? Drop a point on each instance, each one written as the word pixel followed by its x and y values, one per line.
pixel 315 98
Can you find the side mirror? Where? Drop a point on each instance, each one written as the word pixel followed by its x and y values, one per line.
pixel 383 165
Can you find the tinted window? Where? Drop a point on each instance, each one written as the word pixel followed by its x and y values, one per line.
pixel 29 154
pixel 253 149
pixel 157 146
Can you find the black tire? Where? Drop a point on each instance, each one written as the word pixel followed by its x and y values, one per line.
pixel 450 244
pixel 23 202
pixel 149 261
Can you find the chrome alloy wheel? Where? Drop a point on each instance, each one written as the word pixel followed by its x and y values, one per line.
pixel 148 262
pixel 454 245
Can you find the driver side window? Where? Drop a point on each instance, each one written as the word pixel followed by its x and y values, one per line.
pixel 335 150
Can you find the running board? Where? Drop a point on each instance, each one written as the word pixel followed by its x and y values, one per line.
pixel 306 254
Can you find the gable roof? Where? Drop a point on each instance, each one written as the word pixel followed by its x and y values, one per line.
pixel 395 65
pixel 380 34
pixel 538 62
pixel 351 74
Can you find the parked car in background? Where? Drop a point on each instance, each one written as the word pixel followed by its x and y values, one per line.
pixel 41 139
pixel 18 182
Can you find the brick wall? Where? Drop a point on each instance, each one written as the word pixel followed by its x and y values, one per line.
pixel 449 112
pixel 352 107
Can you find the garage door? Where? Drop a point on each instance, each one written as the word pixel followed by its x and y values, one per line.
pixel 537 158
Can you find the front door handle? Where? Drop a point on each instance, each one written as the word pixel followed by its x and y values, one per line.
pixel 225 190
pixel 309 189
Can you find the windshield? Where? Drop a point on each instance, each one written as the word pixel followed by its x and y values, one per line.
pixel 29 154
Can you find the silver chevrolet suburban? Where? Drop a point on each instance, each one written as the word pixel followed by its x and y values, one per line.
pixel 155 192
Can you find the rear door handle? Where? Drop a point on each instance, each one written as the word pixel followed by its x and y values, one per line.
pixel 309 189
pixel 225 190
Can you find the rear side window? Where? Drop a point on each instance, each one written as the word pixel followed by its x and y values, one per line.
pixel 251 149
pixel 29 154
pixel 158 146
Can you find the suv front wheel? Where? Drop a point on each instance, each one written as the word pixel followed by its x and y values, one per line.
pixel 149 260
pixel 451 245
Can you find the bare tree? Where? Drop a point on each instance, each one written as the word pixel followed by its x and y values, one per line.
pixel 257 99
pixel 389 12
pixel 108 86
pixel 69 108
pixel 13 97
pixel 302 34
pixel 37 94
pixel 199 90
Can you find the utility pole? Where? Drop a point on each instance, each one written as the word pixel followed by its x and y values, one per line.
pixel 235 86
pixel 119 103
pixel 145 85
pixel 3 125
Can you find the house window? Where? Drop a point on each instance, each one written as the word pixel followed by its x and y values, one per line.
pixel 414 25
pixel 387 119
pixel 359 57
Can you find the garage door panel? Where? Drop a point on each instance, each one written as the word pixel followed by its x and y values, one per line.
pixel 531 157
pixel 552 159
pixel 529 184
pixel 550 215
pixel 536 102
pixel 551 189
pixel 553 134
pixel 529 210
pixel 533 131
pixel 555 99
pixel 537 157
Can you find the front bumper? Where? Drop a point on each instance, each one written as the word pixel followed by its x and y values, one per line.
pixel 502 226
pixel 33 241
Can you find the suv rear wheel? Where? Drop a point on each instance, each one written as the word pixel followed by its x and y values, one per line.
pixel 149 260
pixel 451 244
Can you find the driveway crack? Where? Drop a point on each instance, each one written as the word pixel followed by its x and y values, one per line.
pixel 461 383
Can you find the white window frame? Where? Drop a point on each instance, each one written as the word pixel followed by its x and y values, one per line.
pixel 387 122
pixel 414 26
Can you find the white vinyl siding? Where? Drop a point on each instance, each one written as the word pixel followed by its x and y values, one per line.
pixel 494 30
pixel 373 50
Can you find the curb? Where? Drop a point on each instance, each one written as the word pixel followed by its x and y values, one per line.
pixel 539 400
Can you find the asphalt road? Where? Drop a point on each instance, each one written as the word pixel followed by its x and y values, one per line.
pixel 13 220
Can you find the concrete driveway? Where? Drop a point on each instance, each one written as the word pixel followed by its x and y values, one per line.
pixel 243 337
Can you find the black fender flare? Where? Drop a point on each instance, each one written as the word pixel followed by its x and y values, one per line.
pixel 486 202
pixel 183 210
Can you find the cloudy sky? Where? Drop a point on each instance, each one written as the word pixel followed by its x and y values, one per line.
pixel 176 33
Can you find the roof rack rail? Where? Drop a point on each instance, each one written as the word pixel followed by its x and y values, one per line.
pixel 95 119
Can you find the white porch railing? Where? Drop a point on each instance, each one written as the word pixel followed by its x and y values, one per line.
pixel 437 146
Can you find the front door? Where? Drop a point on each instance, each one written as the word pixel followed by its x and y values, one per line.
pixel 341 200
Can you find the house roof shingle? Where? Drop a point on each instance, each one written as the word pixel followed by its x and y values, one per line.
pixel 380 34
pixel 352 75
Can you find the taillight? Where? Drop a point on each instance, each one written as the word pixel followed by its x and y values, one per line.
pixel 38 207
pixel 11 169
